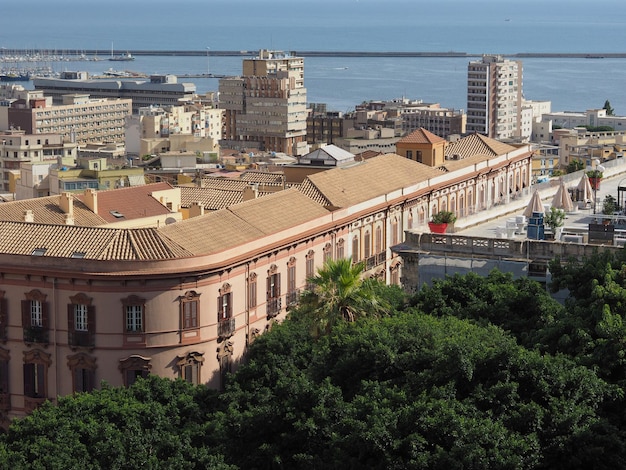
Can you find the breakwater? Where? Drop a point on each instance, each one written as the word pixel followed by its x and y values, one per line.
pixel 19 55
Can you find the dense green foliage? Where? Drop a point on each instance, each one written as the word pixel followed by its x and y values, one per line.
pixel 470 373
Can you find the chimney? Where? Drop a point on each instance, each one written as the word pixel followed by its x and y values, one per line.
pixel 28 216
pixel 196 209
pixel 67 204
pixel 251 192
pixel 69 219
pixel 91 200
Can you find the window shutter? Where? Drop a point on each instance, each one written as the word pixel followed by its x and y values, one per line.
pixel 229 313
pixel 26 314
pixel 269 288
pixel 78 380
pixel 70 319
pixel 277 285
pixel 45 320
pixel 219 308
pixel 29 379
pixel 91 321
pixel 40 391
pixel 4 377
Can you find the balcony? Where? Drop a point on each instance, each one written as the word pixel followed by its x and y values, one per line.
pixel 226 328
pixel 82 339
pixel 35 334
pixel 274 307
pixel 375 260
pixel 293 298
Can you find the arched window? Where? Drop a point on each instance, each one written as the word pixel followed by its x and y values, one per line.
pixel 83 367
pixel 134 367
pixel 189 367
pixel 367 240
pixel 355 249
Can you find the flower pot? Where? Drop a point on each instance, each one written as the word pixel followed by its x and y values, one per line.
pixel 437 228
pixel 595 183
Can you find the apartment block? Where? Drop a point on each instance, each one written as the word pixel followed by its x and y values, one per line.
pixel 19 147
pixel 266 106
pixel 494 97
pixel 78 119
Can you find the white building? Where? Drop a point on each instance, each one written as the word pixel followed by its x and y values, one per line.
pixel 494 97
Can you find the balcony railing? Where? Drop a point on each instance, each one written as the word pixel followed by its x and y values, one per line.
pixel 84 339
pixel 35 334
pixel 293 297
pixel 226 327
pixel 274 307
pixel 375 260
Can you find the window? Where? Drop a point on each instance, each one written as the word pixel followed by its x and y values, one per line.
pixel 328 252
pixel 394 231
pixel 274 304
pixel 81 321
pixel 252 290
pixel 134 367
pixel 83 369
pixel 35 317
pixel 134 318
pixel 4 316
pixel 378 240
pixel 36 364
pixel 133 314
pixel 340 249
pixel 355 249
pixel 310 268
pixel 189 367
pixel 225 319
pixel 190 310
pixel 367 244
pixel 5 397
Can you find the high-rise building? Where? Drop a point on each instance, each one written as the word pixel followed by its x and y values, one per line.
pixel 494 97
pixel 266 106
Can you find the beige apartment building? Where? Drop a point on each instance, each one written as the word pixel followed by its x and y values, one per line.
pixel 19 147
pixel 494 97
pixel 266 106
pixel 190 126
pixel 78 119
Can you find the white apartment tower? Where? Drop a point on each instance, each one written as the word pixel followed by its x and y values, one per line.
pixel 266 106
pixel 494 97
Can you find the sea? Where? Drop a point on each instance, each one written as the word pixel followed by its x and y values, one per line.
pixel 474 27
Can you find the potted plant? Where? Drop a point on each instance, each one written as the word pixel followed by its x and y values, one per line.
pixel 609 207
pixel 555 219
pixel 594 178
pixel 439 221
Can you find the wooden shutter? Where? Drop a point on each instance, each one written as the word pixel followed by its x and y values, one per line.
pixel 91 324
pixel 26 322
pixel 269 288
pixel 277 285
pixel 45 317
pixel 29 379
pixel 229 311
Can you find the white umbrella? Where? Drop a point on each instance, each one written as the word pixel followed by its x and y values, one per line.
pixel 534 205
pixel 585 191
pixel 562 199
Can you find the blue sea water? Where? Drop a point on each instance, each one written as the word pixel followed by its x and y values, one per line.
pixel 477 27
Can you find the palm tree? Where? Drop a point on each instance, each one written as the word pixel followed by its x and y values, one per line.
pixel 339 292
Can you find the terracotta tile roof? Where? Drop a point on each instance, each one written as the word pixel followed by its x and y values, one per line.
pixel 262 177
pixel 478 144
pixel 210 198
pixel 96 243
pixel 224 183
pixel 363 181
pixel 134 202
pixel 242 223
pixel 46 210
pixel 421 136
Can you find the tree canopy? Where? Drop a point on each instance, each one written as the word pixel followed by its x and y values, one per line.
pixel 473 372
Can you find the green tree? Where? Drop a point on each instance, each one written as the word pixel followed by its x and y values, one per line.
pixel 521 306
pixel 156 423
pixel 575 165
pixel 339 292
pixel 608 108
